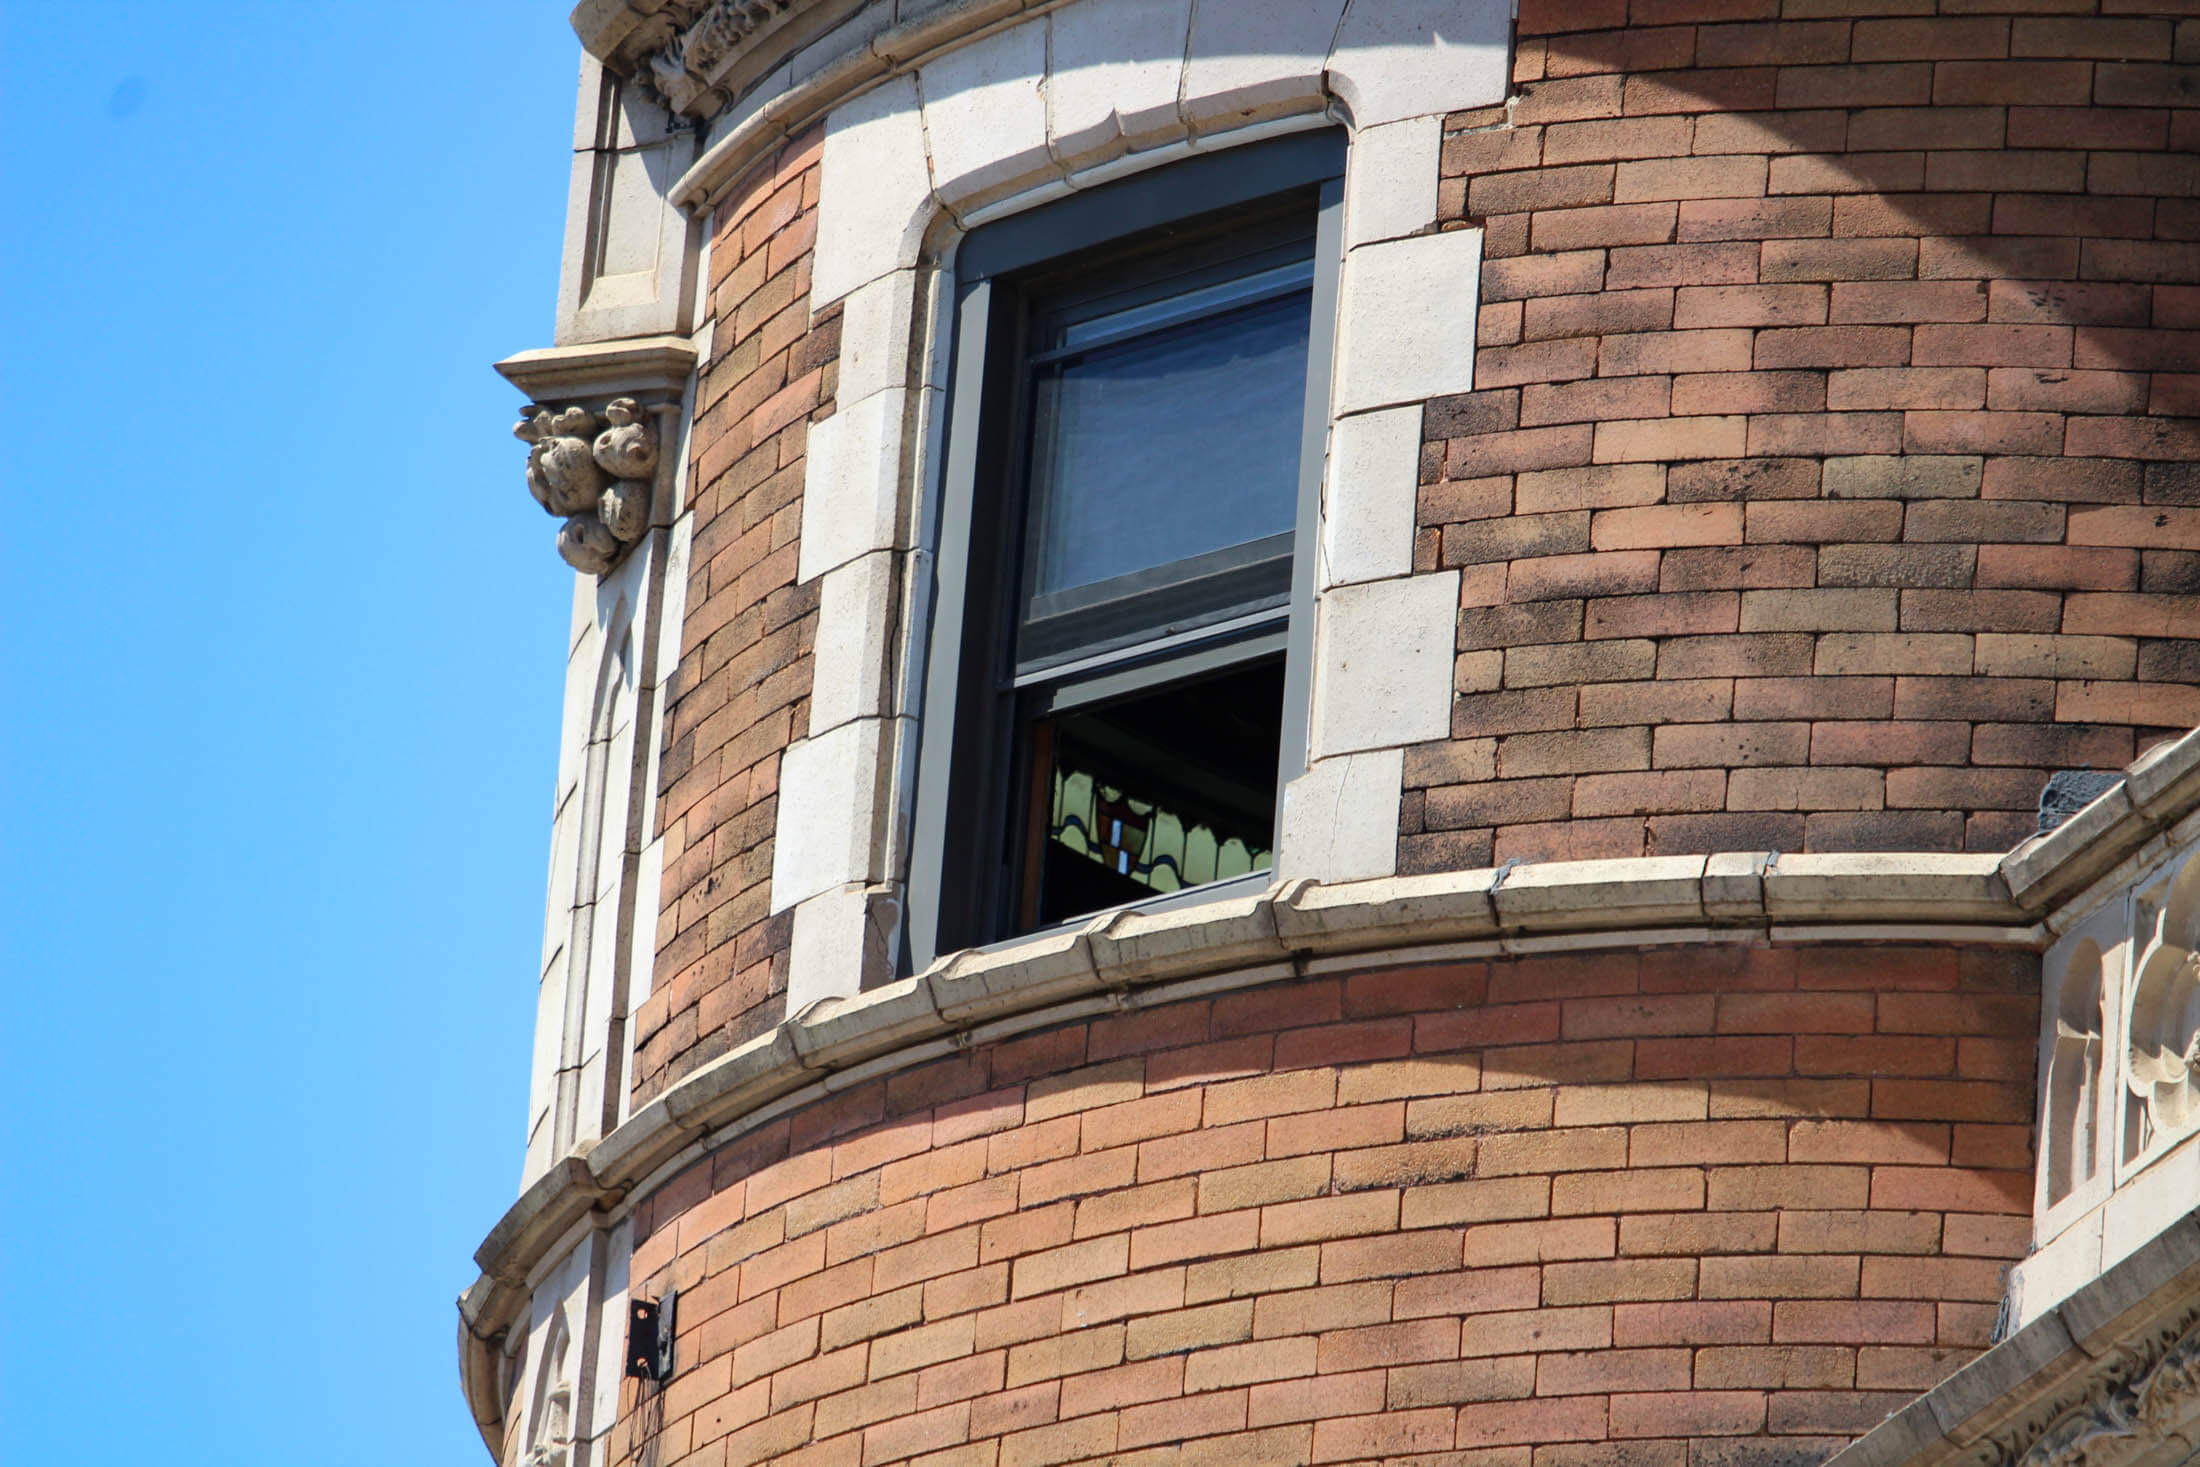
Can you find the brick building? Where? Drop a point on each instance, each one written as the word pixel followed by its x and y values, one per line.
pixel 1371 732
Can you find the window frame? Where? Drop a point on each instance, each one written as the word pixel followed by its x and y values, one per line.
pixel 966 757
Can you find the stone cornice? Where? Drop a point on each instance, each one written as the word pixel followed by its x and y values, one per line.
pixel 639 366
pixel 2110 1377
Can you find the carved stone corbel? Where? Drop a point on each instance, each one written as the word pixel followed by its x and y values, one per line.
pixel 600 482
pixel 598 462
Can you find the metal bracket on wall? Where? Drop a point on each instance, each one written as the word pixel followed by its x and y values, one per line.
pixel 649 1327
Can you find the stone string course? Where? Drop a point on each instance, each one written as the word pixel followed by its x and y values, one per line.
pixel 1828 479
pixel 741 693
pixel 1738 1201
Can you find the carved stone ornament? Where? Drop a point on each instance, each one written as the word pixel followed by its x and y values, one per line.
pixel 2163 1068
pixel 681 50
pixel 2143 1407
pixel 599 482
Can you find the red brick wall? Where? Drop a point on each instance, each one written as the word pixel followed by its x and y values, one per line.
pixel 741 693
pixel 1827 483
pixel 1749 1198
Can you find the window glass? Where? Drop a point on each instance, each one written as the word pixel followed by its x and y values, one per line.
pixel 1168 444
pixel 1156 792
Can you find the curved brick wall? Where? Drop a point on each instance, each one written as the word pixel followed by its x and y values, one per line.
pixel 1745 1197
pixel 1828 480
pixel 741 693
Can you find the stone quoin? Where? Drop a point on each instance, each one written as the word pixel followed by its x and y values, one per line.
pixel 1441 733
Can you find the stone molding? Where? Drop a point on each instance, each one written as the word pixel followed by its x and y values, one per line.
pixel 1367 73
pixel 1127 959
pixel 2109 1378
pixel 639 367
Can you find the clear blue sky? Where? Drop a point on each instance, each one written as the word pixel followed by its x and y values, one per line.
pixel 281 679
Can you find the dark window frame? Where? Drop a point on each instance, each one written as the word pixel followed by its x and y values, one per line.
pixel 966 765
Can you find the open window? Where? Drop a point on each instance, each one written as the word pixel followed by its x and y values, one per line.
pixel 1115 688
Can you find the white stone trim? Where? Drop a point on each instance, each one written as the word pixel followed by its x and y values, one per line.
pixel 1391 186
pixel 852 483
pixel 1406 318
pixel 856 622
pixel 1340 818
pixel 1382 664
pixel 1370 497
pixel 630 257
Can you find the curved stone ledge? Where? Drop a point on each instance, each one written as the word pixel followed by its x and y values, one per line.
pixel 1127 959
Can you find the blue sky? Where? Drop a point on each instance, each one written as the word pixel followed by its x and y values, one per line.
pixel 281 685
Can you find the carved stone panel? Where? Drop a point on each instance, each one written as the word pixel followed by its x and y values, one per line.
pixel 2162 1059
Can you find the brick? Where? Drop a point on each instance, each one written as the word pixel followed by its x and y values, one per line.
pixel 1713 220
pixel 1846 172
pixel 1701 90
pixel 1190 1329
pixel 1593 401
pixel 1758 1188
pixel 1526 1331
pixel 2114 614
pixel 1553 1151
pixel 1787 699
pixel 1757 567
pixel 1717 1056
pixel 1601 487
pixel 1900 84
pixel 1754 392
pixel 1713 306
pixel 1696 700
pixel 1722 349
pixel 1956 1189
pixel 1736 176
pixel 1543 188
pixel 1694 1234
pixel 1456 1291
pixel 2107 40
pixel 1485 1200
pixel 1541 361
pixel 1668 439
pixel 1556 577
pixel 1838 259
pixel 1568 273
pixel 1719 1322
pixel 1604 661
pixel 1750 654
pixel 1831 346
pixel 1909 215
pixel 2087 127
pixel 1459 1382
pixel 1200 1237
pixel 1858 1322
pixel 1604 1281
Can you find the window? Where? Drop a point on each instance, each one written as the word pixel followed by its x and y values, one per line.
pixel 1115 687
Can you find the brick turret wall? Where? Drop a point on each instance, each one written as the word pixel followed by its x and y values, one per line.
pixel 741 693
pixel 1827 482
pixel 1716 1205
